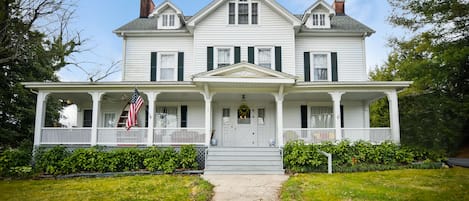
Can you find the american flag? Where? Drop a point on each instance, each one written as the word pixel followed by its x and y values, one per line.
pixel 135 103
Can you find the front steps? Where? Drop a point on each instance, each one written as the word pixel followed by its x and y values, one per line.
pixel 243 160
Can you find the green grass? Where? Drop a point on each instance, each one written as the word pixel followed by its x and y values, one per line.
pixel 441 184
pixel 161 187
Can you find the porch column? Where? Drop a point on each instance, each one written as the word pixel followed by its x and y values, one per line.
pixel 208 114
pixel 279 102
pixel 394 116
pixel 40 115
pixel 336 97
pixel 151 112
pixel 94 121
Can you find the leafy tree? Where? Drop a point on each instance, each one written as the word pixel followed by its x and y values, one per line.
pixel 434 111
pixel 34 45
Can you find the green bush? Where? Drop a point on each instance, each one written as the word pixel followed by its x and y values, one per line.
pixel 359 156
pixel 50 161
pixel 166 160
pixel 12 159
pixel 188 157
pixel 85 160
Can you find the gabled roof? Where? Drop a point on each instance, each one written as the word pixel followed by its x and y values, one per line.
pixel 245 73
pixel 314 6
pixel 163 6
pixel 207 10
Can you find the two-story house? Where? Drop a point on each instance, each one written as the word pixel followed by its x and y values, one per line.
pixel 247 73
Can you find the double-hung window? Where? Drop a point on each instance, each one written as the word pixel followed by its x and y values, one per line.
pixel 109 120
pixel 264 57
pixel 320 67
pixel 167 66
pixel 224 56
pixel 243 12
pixel 322 117
pixel 166 117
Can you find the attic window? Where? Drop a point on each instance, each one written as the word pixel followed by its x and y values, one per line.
pixel 243 12
pixel 168 20
pixel 319 20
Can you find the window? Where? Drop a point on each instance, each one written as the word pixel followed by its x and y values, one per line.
pixel 318 20
pixel 322 117
pixel 264 56
pixel 168 20
pixel 167 67
pixel 223 56
pixel 260 116
pixel 109 120
pixel 166 117
pixel 243 12
pixel 226 115
pixel 321 67
pixel 244 114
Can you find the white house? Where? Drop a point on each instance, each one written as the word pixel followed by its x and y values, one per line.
pixel 247 73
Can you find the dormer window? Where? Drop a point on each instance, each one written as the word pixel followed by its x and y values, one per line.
pixel 168 20
pixel 243 12
pixel 319 20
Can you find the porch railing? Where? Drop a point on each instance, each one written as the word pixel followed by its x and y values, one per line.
pixel 122 137
pixel 178 136
pixel 309 135
pixel 66 136
pixel 373 135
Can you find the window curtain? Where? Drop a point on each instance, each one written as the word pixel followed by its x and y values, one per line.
pixel 166 117
pixel 223 57
pixel 320 66
pixel 322 117
pixel 265 57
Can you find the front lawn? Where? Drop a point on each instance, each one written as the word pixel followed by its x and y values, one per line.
pixel 161 187
pixel 409 184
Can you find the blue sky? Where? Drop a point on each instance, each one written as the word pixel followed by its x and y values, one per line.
pixel 97 19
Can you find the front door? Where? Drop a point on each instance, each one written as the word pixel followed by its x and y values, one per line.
pixel 246 132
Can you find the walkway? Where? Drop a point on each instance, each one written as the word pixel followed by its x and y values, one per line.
pixel 246 187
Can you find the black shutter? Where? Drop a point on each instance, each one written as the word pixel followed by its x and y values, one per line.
pixel 209 58
pixel 341 116
pixel 307 67
pixel 153 67
pixel 183 116
pixel 335 77
pixel 304 116
pixel 278 59
pixel 181 66
pixel 146 116
pixel 251 55
pixel 237 55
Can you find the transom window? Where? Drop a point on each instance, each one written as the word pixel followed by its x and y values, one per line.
pixel 243 12
pixel 321 66
pixel 224 56
pixel 167 67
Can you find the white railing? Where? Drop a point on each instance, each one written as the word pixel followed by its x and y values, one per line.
pixel 309 135
pixel 178 136
pixel 122 137
pixel 66 136
pixel 373 135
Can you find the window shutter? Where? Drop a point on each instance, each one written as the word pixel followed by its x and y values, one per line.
pixel 251 55
pixel 181 66
pixel 237 55
pixel 146 116
pixel 278 58
pixel 183 116
pixel 335 77
pixel 209 58
pixel 341 116
pixel 307 69
pixel 153 67
pixel 304 116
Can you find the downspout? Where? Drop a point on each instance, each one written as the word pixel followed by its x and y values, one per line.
pixel 124 53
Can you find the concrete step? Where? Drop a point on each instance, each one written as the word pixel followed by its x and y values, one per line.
pixel 244 168
pixel 238 158
pixel 243 149
pixel 244 162
pixel 264 172
pixel 244 153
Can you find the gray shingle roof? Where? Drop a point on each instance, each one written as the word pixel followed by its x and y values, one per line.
pixel 144 24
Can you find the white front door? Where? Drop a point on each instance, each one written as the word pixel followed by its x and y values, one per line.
pixel 246 133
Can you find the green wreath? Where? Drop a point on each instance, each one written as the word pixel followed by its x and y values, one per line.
pixel 244 111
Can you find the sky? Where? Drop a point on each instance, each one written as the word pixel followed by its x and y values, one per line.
pixel 95 20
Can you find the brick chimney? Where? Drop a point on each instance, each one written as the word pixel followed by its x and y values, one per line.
pixel 146 7
pixel 339 6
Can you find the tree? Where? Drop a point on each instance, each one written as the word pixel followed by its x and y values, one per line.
pixel 35 43
pixel 434 111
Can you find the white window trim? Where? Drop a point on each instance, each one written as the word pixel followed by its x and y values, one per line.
pixel 329 66
pixel 236 20
pixel 215 55
pixel 272 55
pixel 158 69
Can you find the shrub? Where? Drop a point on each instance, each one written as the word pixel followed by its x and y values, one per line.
pixel 166 160
pixel 85 160
pixel 50 161
pixel 188 157
pixel 12 159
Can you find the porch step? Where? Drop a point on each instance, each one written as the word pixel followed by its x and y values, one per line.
pixel 243 160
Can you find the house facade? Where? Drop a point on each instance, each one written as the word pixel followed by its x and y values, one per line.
pixel 239 73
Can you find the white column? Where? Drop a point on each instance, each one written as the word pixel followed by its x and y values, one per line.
pixel 394 116
pixel 40 115
pixel 208 119
pixel 96 107
pixel 279 103
pixel 151 112
pixel 336 97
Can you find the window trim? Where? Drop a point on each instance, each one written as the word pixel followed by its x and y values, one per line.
pixel 158 68
pixel 272 55
pixel 215 55
pixel 329 66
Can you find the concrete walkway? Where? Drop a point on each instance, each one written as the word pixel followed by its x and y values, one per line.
pixel 246 187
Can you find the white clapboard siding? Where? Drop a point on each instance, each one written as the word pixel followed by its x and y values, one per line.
pixel 138 58
pixel 350 53
pixel 272 30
